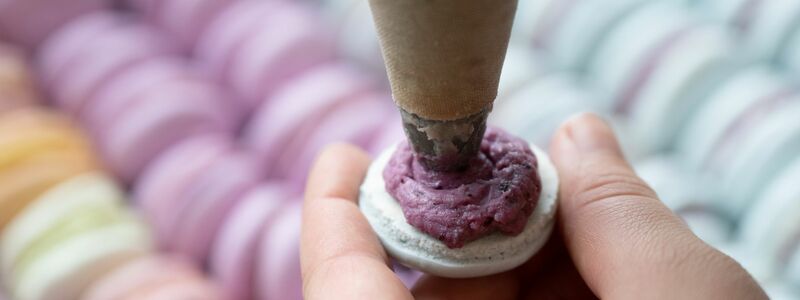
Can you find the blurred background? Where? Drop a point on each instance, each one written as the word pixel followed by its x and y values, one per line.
pixel 154 149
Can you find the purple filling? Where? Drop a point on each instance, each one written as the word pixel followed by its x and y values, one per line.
pixel 497 192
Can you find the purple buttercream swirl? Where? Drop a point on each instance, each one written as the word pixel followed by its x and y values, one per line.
pixel 497 192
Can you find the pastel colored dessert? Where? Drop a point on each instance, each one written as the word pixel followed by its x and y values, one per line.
pixel 157 118
pixel 770 228
pixel 290 42
pixel 57 52
pixel 744 134
pixel 158 192
pixel 346 123
pixel 519 68
pixel 101 60
pixel 29 22
pixel 529 112
pixel 766 27
pixel 154 277
pixel 17 88
pixel 208 200
pixel 588 23
pixel 72 235
pixel 228 31
pixel 688 195
pixel 185 20
pixel 278 267
pixel 445 254
pixel 281 124
pixel 236 252
pixel 657 79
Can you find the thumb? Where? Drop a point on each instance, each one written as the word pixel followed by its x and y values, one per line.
pixel 623 240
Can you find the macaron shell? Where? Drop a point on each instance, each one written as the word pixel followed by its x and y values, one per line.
pixel 20 186
pixel 90 189
pixel 158 191
pixel 357 122
pixel 18 146
pixel 288 44
pixel 141 275
pixel 167 117
pixel 67 271
pixel 102 60
pixel 187 19
pixel 235 251
pixel 119 94
pixel 66 43
pixel 226 34
pixel 212 195
pixel 29 22
pixel 488 255
pixel 280 119
pixel 278 274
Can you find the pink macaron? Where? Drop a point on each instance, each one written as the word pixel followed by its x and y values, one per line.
pixel 278 275
pixel 208 199
pixel 63 45
pixel 103 59
pixel 292 114
pixel 29 22
pixel 235 253
pixel 356 122
pixel 228 31
pixel 288 43
pixel 147 275
pixel 158 192
pixel 165 116
pixel 186 20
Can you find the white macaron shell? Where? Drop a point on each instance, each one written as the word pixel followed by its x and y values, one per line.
pixel 721 109
pixel 488 255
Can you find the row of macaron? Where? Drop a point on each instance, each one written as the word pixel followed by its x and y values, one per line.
pixel 204 193
pixel 65 231
pixel 197 184
pixel 122 80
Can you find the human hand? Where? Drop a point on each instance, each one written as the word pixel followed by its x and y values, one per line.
pixel 615 240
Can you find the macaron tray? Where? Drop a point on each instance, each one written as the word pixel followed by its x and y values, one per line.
pixel 194 123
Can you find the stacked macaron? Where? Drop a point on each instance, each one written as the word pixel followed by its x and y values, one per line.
pixel 29 22
pixel 771 230
pixel 343 105
pixel 118 77
pixel 534 110
pixel 38 149
pixel 569 32
pixel 657 79
pixel 155 277
pixel 744 134
pixel 185 20
pixel 255 47
pixel 769 30
pixel 17 87
pixel 70 236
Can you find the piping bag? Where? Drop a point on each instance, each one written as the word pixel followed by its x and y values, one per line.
pixel 443 59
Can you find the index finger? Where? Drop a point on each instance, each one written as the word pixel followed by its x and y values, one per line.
pixel 341 257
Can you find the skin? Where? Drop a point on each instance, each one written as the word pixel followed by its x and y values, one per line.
pixel 616 240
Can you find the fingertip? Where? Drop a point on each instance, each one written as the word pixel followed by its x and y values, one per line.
pixel 337 172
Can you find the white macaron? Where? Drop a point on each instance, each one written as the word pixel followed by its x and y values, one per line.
pixel 745 134
pixel 491 254
pixel 656 65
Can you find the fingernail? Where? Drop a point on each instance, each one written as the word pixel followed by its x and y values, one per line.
pixel 591 133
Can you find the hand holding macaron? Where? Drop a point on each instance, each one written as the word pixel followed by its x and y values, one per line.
pixel 620 240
